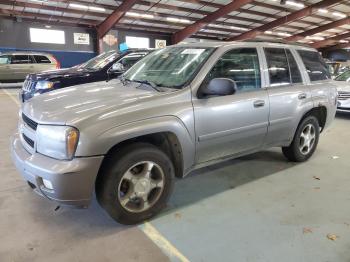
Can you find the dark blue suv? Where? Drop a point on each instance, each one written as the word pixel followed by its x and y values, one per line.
pixel 103 67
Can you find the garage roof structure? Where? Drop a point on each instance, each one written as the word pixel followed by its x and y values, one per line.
pixel 322 24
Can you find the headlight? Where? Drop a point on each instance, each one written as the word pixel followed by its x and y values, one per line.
pixel 42 85
pixel 58 142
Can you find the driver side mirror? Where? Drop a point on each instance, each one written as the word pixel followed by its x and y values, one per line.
pixel 115 70
pixel 218 87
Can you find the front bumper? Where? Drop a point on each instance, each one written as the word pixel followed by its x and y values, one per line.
pixel 72 181
pixel 343 106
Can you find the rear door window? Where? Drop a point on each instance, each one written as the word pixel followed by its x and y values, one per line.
pixel 294 69
pixel 315 66
pixel 278 66
pixel 41 59
pixel 20 59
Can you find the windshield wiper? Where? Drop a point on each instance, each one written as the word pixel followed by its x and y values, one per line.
pixel 149 83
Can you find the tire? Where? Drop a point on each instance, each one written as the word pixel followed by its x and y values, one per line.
pixel 298 151
pixel 123 183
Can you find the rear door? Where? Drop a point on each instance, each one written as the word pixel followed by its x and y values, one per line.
pixel 21 66
pixel 43 63
pixel 289 95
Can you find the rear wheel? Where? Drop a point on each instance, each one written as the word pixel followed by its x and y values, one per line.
pixel 136 183
pixel 305 140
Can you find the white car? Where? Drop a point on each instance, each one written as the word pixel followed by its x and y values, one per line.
pixel 343 87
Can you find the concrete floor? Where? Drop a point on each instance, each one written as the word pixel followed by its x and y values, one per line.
pixel 256 208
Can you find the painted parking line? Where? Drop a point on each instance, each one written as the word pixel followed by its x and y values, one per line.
pixel 150 231
pixel 171 251
pixel 13 96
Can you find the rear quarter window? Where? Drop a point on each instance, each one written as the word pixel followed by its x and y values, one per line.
pixel 315 66
pixel 41 59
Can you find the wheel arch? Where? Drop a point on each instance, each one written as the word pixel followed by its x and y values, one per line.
pixel 320 113
pixel 167 133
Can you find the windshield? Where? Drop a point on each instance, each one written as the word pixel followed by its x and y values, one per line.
pixel 100 61
pixel 344 76
pixel 169 67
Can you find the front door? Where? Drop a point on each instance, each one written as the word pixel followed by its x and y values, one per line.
pixel 232 124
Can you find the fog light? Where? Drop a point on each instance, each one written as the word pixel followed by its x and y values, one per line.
pixel 47 184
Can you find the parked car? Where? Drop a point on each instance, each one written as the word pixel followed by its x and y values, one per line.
pixel 103 67
pixel 177 109
pixel 345 76
pixel 15 66
pixel 343 86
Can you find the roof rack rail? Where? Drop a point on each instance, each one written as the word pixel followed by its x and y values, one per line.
pixel 277 41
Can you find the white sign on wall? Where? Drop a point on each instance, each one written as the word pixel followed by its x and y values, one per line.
pixel 160 43
pixel 81 39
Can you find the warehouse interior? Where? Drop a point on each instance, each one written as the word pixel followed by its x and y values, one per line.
pixel 256 206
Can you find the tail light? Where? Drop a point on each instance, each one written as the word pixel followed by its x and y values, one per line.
pixel 58 64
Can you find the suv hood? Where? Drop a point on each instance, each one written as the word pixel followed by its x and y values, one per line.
pixel 73 104
pixel 53 74
pixel 342 86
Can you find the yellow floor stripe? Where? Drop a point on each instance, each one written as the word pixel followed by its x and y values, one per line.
pixel 153 234
pixel 12 96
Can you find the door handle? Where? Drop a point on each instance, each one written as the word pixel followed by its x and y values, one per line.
pixel 259 103
pixel 302 96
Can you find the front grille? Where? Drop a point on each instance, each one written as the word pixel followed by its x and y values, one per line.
pixel 28 140
pixel 343 95
pixel 32 124
pixel 28 85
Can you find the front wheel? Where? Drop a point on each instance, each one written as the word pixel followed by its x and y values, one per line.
pixel 136 183
pixel 305 140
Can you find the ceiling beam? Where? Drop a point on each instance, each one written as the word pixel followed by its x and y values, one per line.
pixel 330 41
pixel 322 28
pixel 22 3
pixel 307 11
pixel 30 16
pixel 195 27
pixel 114 17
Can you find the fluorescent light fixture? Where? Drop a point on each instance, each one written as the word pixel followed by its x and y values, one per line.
pixel 133 14
pixel 84 7
pixel 323 11
pixel 177 20
pixel 343 41
pixel 296 4
pixel 268 32
pixel 96 8
pixel 39 35
pixel 339 14
pixel 315 37
pixel 147 16
pixel 283 34
pixel 238 28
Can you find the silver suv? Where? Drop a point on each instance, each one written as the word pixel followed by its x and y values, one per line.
pixel 178 109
